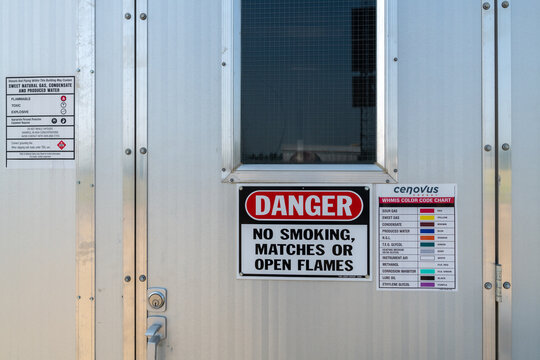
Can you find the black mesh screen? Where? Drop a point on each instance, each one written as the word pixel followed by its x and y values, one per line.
pixel 308 75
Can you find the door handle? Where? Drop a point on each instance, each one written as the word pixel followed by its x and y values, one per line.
pixel 157 331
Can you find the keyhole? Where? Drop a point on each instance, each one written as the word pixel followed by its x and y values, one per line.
pixel 156 303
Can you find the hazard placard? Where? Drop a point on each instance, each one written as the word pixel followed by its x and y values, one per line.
pixel 40 121
pixel 304 232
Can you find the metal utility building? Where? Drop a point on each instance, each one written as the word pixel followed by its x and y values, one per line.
pixel 269 179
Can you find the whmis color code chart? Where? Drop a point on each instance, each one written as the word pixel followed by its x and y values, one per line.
pixel 417 239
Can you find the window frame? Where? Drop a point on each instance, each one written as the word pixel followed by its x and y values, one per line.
pixel 384 170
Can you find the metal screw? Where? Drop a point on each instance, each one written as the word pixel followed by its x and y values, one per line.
pixel 127 16
pixel 486 6
pixel 142 278
pixel 506 285
pixel 78 70
pixel 488 285
pixel 143 150
pixel 487 147
pixel 505 4
pixel 505 147
pixel 128 151
pixel 224 64
pixel 223 169
pixel 241 274
pixel 366 188
pixel 91 298
pixel 241 188
pixel 388 181
pixel 143 16
pixel 395 170
pixel 231 180
pixel 92 71
pixel 127 278
pixel 395 59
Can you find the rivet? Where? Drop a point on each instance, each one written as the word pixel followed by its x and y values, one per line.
pixel 487 147
pixel 143 150
pixel 506 285
pixel 395 170
pixel 91 298
pixel 127 16
pixel 505 147
pixel 143 16
pixel 241 188
pixel 395 59
pixel 128 151
pixel 224 64
pixel 127 278
pixel 78 297
pixel 78 182
pixel 388 181
pixel 231 180
pixel 223 169
pixel 142 278
pixel 78 70
pixel 505 4
pixel 92 185
pixel 486 6
pixel 92 71
pixel 488 285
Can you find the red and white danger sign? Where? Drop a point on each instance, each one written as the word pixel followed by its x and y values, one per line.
pixel 316 232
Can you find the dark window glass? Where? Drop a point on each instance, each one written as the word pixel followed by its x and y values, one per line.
pixel 308 81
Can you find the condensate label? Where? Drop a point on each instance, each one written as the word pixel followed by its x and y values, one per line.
pixel 304 232
pixel 417 238
pixel 40 122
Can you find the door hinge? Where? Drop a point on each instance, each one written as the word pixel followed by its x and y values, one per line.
pixel 498 283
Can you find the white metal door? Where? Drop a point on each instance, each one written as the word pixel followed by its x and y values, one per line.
pixel 192 214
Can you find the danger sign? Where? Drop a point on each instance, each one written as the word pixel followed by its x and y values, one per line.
pixel 304 232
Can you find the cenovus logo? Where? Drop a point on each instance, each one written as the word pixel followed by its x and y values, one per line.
pixel 421 189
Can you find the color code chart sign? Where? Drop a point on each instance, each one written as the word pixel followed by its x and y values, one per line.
pixel 417 237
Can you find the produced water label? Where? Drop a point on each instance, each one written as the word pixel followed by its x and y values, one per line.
pixel 40 122
pixel 417 238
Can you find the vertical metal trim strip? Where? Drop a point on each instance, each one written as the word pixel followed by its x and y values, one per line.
pixel 85 163
pixel 387 87
pixel 489 325
pixel 504 133
pixel 141 175
pixel 128 178
pixel 228 41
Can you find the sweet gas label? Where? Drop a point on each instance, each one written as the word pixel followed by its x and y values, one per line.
pixel 303 232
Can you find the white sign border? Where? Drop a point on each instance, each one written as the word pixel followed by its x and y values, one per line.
pixel 368 279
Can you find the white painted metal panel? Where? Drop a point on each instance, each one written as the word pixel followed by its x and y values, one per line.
pixel 109 155
pixel 525 147
pixel 37 207
pixel 192 225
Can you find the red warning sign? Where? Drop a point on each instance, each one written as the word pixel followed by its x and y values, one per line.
pixel 311 205
pixel 61 145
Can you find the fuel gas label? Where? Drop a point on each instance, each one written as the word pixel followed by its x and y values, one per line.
pixel 40 122
pixel 304 232
pixel 417 237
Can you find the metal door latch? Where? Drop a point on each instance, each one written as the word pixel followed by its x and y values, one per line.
pixel 498 283
pixel 157 331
